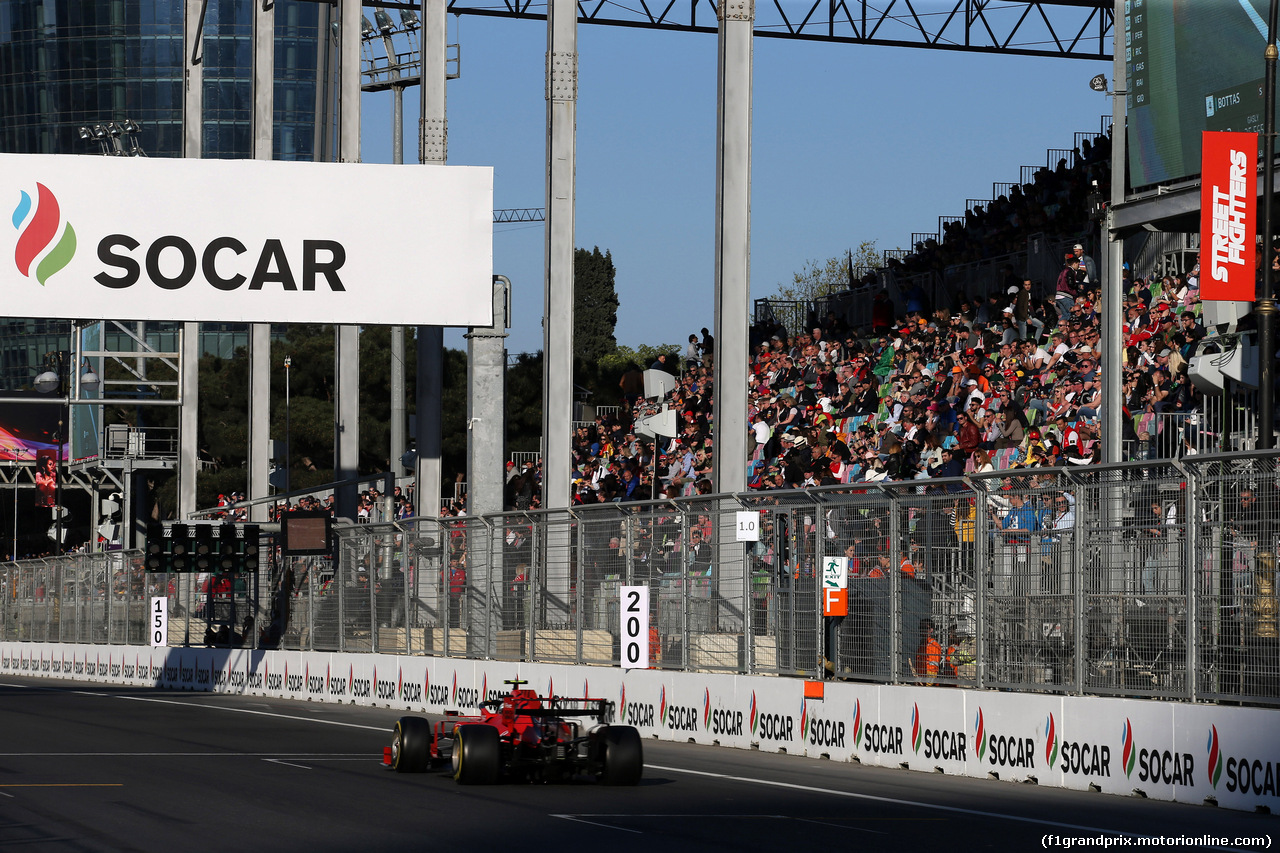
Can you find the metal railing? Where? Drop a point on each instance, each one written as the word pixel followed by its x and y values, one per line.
pixel 1143 579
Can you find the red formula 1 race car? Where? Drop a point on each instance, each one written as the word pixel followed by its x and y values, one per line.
pixel 522 736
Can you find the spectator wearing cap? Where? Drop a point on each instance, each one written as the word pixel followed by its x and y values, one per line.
pixel 1008 329
pixel 1064 296
pixel 1086 262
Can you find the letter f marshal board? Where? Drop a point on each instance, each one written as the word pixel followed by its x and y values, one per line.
pixel 835 586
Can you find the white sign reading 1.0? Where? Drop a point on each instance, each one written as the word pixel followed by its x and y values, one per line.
pixel 134 238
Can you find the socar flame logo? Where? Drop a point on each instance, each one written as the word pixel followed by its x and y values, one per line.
pixel 1050 741
pixel 753 714
pixel 1215 756
pixel 706 708
pixel 857 723
pixel 36 232
pixel 980 731
pixel 1130 754
pixel 915 726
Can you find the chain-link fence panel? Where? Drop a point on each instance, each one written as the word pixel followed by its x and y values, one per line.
pixel 1154 578
pixel 855 529
pixel 717 570
pixel 9 608
pixel 785 609
pixel 556 618
pixel 510 586
pixel 661 562
pixel 602 562
pixel 933 575
pixel 1029 583
pixel 1237 648
pixel 1135 559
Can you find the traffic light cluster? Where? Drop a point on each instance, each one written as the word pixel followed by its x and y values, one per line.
pixel 188 547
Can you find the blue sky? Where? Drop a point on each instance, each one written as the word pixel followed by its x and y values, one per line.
pixel 850 143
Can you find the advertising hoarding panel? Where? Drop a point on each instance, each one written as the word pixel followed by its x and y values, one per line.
pixel 246 241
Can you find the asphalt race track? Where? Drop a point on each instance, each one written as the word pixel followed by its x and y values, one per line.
pixel 96 768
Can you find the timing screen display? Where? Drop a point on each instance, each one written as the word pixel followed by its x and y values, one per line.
pixel 1192 66
pixel 306 534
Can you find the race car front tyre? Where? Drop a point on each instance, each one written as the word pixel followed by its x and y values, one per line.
pixel 477 755
pixel 411 745
pixel 623 758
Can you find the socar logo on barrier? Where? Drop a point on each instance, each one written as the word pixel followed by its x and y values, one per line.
pixel 1129 754
pixel 36 232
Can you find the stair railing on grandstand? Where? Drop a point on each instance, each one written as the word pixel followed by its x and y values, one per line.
pixel 853 306
pixel 791 314
pixel 519 457
pixel 1166 252
pixel 1140 579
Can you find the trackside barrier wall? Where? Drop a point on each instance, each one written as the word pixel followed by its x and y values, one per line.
pixel 1169 751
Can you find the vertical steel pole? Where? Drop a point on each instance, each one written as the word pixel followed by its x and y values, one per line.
pixel 397 401
pixel 264 52
pixel 1113 262
pixel 733 241
pixel 557 371
pixel 189 420
pixel 983 563
pixel 486 391
pixel 1265 308
pixel 433 148
pixel 347 351
pixel 1191 579
pixel 397 332
pixel 1080 622
pixel 1113 310
pixel 192 146
pixel 895 586
pixel 557 313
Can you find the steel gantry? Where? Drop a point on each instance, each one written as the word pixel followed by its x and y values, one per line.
pixel 1071 29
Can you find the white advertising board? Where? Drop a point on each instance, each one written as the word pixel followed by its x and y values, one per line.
pixel 134 238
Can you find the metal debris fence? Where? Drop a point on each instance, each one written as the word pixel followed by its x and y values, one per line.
pixel 1144 579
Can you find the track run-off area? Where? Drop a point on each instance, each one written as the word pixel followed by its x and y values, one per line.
pixel 98 767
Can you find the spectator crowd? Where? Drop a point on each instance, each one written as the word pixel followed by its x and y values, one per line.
pixel 1002 380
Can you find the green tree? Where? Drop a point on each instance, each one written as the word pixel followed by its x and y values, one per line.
pixel 524 403
pixel 815 280
pixel 595 305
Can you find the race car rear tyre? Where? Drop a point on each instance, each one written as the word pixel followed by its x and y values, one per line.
pixel 411 745
pixel 477 755
pixel 623 756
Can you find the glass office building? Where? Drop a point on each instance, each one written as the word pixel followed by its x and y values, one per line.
pixel 67 64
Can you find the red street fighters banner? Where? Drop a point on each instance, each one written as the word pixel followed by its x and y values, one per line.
pixel 1228 216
